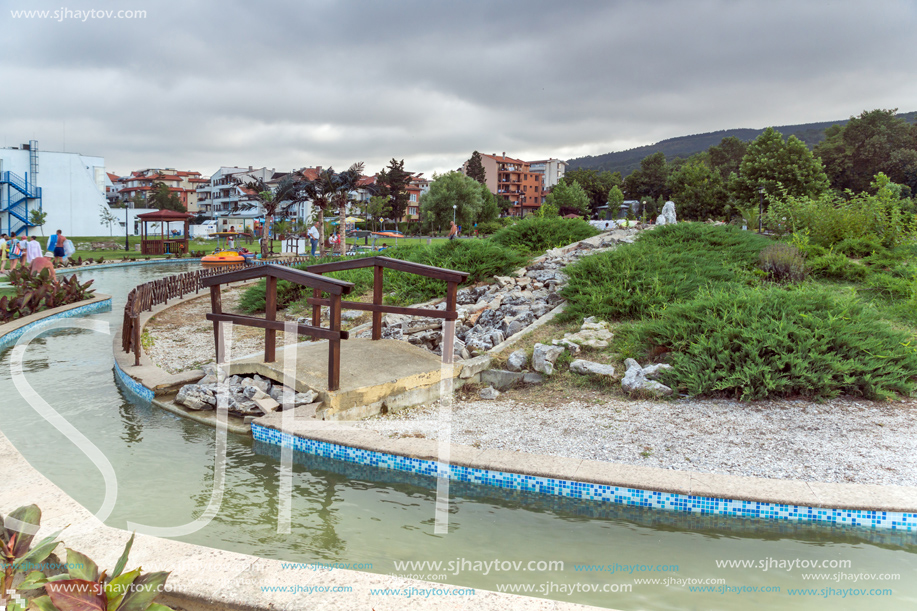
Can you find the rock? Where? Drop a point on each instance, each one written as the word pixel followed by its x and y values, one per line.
pixel 474 366
pixel 478 343
pixel 504 281
pixel 532 378
pixel 517 361
pixel 277 392
pixel 500 379
pixel 573 347
pixel 207 380
pixel 668 214
pixel 261 383
pixel 350 315
pixel 635 382
pixel 211 370
pixel 544 357
pixel 266 403
pixel 465 354
pixel 254 393
pixel 489 393
pixel 390 320
pixel 416 326
pixel 458 346
pixel 194 397
pixel 589 367
pixel 540 309
pixel 496 337
pixel 651 371
pixel 302 398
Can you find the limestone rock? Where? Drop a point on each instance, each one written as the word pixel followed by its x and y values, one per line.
pixel 194 397
pixel 668 214
pixel 475 366
pixel 500 379
pixel 302 398
pixel 544 357
pixel 573 347
pixel 584 367
pixel 532 378
pixel 517 361
pixel 636 383
pixel 489 393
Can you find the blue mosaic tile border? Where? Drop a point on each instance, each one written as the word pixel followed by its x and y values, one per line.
pixel 132 386
pixel 597 492
pixel 90 308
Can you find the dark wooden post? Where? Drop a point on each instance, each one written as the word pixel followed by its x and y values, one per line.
pixel 449 325
pixel 270 313
pixel 334 345
pixel 216 306
pixel 135 330
pixel 377 301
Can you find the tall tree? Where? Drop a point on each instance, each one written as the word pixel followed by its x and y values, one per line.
pixel 162 198
pixel 393 182
pixel 320 193
pixel 876 141
pixel 699 192
pixel 107 217
pixel 475 168
pixel 569 198
pixel 448 190
pixel 726 157
pixel 650 180
pixel 258 195
pixel 376 207
pixel 778 166
pixel 345 183
pixel 595 184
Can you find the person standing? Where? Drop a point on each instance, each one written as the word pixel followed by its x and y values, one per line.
pixel 15 251
pixel 32 250
pixel 59 248
pixel 453 230
pixel 313 236
pixel 4 253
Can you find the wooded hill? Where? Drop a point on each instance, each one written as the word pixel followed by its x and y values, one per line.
pixel 685 146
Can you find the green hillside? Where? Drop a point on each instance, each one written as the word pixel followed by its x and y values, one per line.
pixel 685 146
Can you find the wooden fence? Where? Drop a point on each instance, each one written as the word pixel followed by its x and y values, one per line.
pixel 146 296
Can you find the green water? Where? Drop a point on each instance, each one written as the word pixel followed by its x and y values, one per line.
pixel 345 513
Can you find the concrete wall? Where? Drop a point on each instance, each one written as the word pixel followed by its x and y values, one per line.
pixel 70 193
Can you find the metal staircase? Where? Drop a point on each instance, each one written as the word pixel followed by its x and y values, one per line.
pixel 18 197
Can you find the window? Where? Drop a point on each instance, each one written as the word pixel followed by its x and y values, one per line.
pixel 412 209
pixel 413 197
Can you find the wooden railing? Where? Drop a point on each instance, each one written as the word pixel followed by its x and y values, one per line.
pixel 335 288
pixel 452 277
pixel 145 296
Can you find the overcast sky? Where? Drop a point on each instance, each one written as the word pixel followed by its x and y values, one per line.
pixel 196 85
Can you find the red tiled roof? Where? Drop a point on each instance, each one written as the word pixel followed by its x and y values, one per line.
pixel 503 159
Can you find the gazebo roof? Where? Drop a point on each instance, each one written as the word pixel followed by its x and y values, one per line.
pixel 165 215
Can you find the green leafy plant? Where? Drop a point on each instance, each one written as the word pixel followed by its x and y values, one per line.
pixel 534 234
pixel 751 343
pixel 36 292
pixel 32 574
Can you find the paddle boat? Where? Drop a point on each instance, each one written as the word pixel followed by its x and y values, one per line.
pixel 227 256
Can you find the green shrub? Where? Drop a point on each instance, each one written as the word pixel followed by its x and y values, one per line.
pixel 489 227
pixel 774 342
pixel 836 266
pixel 534 235
pixel 783 263
pixel 669 264
pixel 860 247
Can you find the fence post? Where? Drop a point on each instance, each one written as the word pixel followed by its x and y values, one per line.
pixel 216 306
pixel 270 313
pixel 377 301
pixel 334 345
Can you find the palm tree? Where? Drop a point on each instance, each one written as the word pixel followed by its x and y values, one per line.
pixel 320 192
pixel 257 194
pixel 345 182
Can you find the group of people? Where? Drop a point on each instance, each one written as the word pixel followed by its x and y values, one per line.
pixel 27 252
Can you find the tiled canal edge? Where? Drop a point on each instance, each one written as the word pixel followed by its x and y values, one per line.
pixel 606 493
pixel 8 337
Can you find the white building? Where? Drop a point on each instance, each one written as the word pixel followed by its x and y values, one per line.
pixel 72 191
pixel 223 191
pixel 551 169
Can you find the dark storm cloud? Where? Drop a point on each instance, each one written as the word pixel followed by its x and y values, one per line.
pixel 287 84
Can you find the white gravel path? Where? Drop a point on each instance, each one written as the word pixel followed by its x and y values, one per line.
pixel 841 441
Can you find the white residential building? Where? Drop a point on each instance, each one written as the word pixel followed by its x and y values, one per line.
pixel 551 169
pixel 224 189
pixel 68 187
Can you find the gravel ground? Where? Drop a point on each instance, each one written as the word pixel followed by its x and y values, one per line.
pixel 841 441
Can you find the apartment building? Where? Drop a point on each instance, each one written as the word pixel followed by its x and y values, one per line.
pixel 551 170
pixel 514 181
pixel 141 183
pixel 222 192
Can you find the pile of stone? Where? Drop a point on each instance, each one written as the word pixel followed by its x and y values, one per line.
pixel 490 314
pixel 241 396
pixel 639 381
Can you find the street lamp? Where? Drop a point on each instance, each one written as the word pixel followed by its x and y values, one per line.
pixel 127 246
pixel 454 207
pixel 760 207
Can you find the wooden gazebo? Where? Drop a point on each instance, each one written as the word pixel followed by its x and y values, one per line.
pixel 163 244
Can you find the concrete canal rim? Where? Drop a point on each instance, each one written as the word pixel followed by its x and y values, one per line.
pixel 856 505
pixel 574 530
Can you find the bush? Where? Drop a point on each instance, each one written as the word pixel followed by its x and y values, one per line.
pixel 836 266
pixel 860 247
pixel 489 227
pixel 773 342
pixel 534 235
pixel 36 292
pixel 667 265
pixel 783 263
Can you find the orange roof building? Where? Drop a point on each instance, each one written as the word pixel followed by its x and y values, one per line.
pixel 512 180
